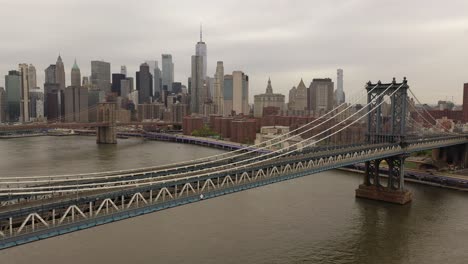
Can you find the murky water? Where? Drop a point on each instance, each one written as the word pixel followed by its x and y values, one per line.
pixel 314 219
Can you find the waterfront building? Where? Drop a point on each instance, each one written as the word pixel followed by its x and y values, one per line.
pixel 243 131
pixel 144 84
pixel 75 75
pixel 52 95
pixel 100 75
pixel 13 87
pixel 192 123
pixel 24 92
pixel 268 99
pixel 167 72
pixel 36 105
pixel 54 107
pixel 3 105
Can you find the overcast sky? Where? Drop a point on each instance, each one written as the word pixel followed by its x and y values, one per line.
pixel 424 40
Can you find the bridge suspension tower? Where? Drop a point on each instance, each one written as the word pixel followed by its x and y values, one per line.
pixel 374 186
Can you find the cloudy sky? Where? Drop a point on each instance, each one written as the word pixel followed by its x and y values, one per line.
pixel 424 40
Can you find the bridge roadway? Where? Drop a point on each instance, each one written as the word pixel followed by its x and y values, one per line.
pixel 167 172
pixel 26 222
pixel 120 179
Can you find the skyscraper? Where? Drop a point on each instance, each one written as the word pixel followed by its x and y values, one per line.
pixel 240 96
pixel 218 96
pixel 340 95
pixel 100 75
pixel 3 105
pixel 32 77
pixel 53 96
pixel 76 104
pixel 50 75
pixel 116 83
pixel 24 92
pixel 75 75
pixel 465 102
pixel 13 87
pixel 200 50
pixel 60 73
pixel 123 70
pixel 298 97
pixel 144 84
pixel 167 72
pixel 36 104
pixel 156 72
pixel 321 96
pixel 157 82
pixel 228 94
pixel 197 93
pixel 126 87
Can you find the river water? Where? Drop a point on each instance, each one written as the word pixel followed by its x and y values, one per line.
pixel 314 219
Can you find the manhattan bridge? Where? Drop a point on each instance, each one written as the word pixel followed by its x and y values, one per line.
pixel 37 207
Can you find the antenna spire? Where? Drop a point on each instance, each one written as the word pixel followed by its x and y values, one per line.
pixel 201 33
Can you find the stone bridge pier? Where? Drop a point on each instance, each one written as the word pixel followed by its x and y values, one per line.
pixel 456 155
pixel 106 114
pixel 390 188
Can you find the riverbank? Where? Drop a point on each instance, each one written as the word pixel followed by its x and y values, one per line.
pixel 22 135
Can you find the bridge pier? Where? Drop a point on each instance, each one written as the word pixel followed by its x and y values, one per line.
pixel 393 191
pixel 456 155
pixel 106 114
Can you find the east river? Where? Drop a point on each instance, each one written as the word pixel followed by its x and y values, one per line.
pixel 314 219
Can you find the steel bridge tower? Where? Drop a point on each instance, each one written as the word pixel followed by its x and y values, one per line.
pixel 374 186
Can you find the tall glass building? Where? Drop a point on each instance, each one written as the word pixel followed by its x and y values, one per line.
pixel 13 90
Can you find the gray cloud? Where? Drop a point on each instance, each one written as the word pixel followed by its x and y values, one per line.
pixel 287 40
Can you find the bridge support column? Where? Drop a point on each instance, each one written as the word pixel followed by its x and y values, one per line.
pixel 393 191
pixel 106 114
pixel 456 155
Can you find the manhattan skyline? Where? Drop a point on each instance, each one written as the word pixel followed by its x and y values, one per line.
pixel 369 41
